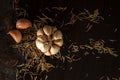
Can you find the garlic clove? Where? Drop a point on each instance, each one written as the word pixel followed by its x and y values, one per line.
pixel 46 47
pixel 42 38
pixel 58 42
pixel 48 53
pixel 43 47
pixel 54 29
pixel 39 44
pixel 47 30
pixel 16 35
pixel 40 32
pixel 57 35
pixel 23 23
pixel 54 49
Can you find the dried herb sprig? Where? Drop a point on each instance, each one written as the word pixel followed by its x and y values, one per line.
pixel 91 18
pixel 94 47
pixel 109 78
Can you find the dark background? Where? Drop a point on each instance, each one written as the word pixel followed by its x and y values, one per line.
pixel 86 69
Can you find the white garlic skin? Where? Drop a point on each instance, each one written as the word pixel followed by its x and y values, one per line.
pixel 49 40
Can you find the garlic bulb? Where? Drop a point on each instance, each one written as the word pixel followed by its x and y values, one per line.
pixel 16 35
pixel 49 40
pixel 23 23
